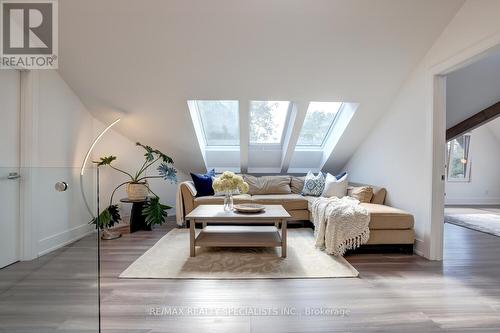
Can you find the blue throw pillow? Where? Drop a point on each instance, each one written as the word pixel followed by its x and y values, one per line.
pixel 340 175
pixel 314 185
pixel 203 183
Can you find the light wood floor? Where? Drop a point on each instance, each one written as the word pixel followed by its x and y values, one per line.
pixel 395 293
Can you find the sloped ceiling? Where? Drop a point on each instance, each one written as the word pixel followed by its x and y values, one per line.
pixel 472 88
pixel 145 59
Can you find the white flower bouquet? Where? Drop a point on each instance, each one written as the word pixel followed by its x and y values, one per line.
pixel 229 182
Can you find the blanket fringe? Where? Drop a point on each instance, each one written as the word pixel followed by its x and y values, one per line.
pixel 352 243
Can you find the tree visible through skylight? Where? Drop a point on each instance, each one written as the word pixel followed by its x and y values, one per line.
pixel 220 122
pixel 267 121
pixel 318 122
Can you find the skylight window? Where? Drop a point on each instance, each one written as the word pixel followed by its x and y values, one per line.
pixel 267 121
pixel 318 123
pixel 220 122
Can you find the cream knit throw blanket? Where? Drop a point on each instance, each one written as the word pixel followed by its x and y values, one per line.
pixel 339 224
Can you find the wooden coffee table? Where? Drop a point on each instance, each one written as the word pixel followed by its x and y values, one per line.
pixel 238 229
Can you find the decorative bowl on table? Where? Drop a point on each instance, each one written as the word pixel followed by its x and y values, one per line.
pixel 249 208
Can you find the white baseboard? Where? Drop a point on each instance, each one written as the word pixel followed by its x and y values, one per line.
pixel 419 247
pixel 472 201
pixel 64 238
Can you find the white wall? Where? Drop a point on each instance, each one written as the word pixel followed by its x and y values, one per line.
pixel 484 185
pixel 398 153
pixel 64 130
pixel 471 89
pixel 129 158
pixel 9 118
pixel 63 133
pixel 494 127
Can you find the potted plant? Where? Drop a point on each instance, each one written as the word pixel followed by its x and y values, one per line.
pixel 138 188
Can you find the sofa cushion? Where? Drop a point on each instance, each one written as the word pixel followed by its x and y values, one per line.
pixel 393 236
pixel 213 200
pixel 381 216
pixel 385 217
pixel 268 184
pixel 299 214
pixel 361 193
pixel 379 193
pixel 297 184
pixel 288 201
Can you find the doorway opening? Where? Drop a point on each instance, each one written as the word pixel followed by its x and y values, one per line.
pixel 466 183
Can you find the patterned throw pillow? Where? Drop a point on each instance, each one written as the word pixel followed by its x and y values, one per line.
pixel 314 185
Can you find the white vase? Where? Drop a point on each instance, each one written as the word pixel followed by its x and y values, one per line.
pixel 137 191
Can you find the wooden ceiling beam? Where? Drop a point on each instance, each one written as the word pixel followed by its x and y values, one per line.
pixel 480 118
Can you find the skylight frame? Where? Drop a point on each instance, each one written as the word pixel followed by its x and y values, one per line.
pixel 207 146
pixel 286 127
pixel 328 133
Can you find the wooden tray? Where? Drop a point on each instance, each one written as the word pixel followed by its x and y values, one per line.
pixel 249 208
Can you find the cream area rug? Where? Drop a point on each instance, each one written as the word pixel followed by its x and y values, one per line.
pixel 485 220
pixel 169 259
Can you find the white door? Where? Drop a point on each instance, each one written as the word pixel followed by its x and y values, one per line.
pixel 10 107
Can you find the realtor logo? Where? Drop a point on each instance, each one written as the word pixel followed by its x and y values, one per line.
pixel 29 34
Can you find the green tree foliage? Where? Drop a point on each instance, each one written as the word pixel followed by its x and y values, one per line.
pixel 315 128
pixel 220 121
pixel 262 125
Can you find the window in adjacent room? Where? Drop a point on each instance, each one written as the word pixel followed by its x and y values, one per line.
pixel 459 165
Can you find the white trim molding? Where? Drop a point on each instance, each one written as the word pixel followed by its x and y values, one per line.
pixel 473 201
pixel 244 116
pixel 434 233
pixel 64 238
pixel 29 159
pixel 297 116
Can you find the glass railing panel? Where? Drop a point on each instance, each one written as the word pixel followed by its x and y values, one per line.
pixel 49 275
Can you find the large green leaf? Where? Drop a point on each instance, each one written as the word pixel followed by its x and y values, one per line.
pixel 105 160
pixel 108 218
pixel 114 211
pixel 149 152
pixel 155 212
pixel 165 158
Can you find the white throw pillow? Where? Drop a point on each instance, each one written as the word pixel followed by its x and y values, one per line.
pixel 334 187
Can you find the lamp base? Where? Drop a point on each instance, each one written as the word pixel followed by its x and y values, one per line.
pixel 108 235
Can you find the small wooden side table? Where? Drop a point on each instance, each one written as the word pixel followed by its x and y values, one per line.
pixel 137 220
